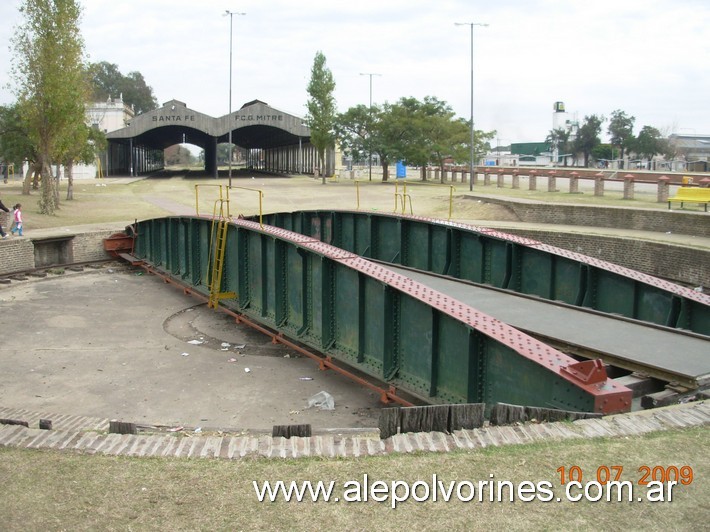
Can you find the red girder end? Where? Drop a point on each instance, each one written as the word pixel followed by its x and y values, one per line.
pixel 614 402
pixel 609 397
pixel 587 371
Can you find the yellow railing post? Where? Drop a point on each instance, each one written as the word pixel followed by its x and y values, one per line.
pixel 451 200
pixel 404 200
pixel 261 197
pixel 398 197
pixel 222 197
pixel 261 210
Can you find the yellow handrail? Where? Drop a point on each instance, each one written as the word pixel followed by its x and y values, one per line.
pixel 451 200
pixel 220 199
pixel 452 189
pixel 261 197
pixel 402 198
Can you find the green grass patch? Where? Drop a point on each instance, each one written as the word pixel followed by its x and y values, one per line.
pixel 63 490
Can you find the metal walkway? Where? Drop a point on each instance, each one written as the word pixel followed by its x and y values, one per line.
pixel 506 261
pixel 658 351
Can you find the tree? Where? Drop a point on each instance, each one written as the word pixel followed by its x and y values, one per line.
pixel 588 136
pixel 558 140
pixel 408 119
pixel 321 109
pixel 362 130
pixel 444 135
pixel 355 129
pixel 417 132
pixel 15 143
pixel 181 156
pixel 603 152
pixel 649 143
pixel 423 132
pixel 107 82
pixel 621 132
pixel 49 59
pixel 83 147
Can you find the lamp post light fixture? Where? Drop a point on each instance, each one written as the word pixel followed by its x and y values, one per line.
pixel 229 157
pixel 369 141
pixel 471 24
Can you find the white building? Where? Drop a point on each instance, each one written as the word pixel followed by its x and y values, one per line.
pixel 107 116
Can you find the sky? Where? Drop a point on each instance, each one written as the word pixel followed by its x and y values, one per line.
pixel 648 58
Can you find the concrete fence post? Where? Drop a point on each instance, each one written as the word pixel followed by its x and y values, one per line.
pixel 516 178
pixel 574 183
pixel 629 187
pixel 552 181
pixel 532 184
pixel 501 178
pixel 486 177
pixel 599 184
pixel 663 189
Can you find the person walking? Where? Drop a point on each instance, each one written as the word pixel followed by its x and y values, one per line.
pixel 3 234
pixel 17 220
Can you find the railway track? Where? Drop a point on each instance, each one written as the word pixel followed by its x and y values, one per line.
pixel 53 270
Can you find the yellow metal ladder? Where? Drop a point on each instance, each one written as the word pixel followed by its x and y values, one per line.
pixel 220 228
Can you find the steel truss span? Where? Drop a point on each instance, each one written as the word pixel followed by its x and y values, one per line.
pixel 352 310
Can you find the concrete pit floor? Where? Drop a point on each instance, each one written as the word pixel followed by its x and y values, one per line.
pixel 115 342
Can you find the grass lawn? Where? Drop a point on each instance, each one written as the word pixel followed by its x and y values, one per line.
pixel 123 200
pixel 44 490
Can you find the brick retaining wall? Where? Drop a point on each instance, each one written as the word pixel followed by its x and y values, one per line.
pixel 18 254
pixel 686 223
pixel 680 264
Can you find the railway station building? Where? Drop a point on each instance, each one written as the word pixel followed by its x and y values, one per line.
pixel 273 140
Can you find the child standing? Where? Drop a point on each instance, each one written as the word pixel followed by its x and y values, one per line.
pixel 17 220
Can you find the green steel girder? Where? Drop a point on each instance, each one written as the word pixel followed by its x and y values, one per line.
pixel 505 261
pixel 369 317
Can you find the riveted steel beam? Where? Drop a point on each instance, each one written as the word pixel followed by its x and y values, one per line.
pixel 401 332
pixel 516 263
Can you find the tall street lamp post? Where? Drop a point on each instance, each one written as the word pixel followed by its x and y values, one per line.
pixel 229 157
pixel 471 173
pixel 369 141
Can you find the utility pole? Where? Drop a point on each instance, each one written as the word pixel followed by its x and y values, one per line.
pixel 369 141
pixel 231 17
pixel 473 135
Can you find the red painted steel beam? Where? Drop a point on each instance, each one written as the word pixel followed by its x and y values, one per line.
pixel 609 397
pixel 584 259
